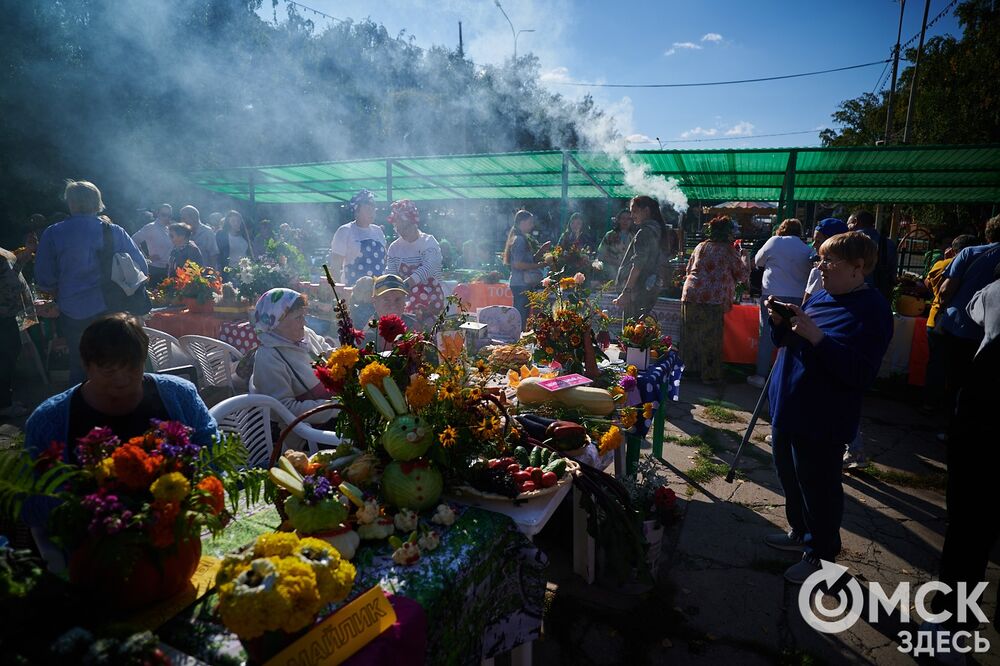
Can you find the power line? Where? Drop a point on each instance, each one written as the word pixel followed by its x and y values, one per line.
pixel 734 138
pixel 881 76
pixel 715 83
pixel 314 11
pixel 931 24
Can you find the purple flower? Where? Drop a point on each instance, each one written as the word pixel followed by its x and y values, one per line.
pixel 316 488
pixel 95 446
pixel 627 382
pixel 109 514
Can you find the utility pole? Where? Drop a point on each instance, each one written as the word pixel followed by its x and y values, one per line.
pixel 461 50
pixel 895 70
pixel 916 71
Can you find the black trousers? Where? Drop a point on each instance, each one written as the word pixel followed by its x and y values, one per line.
pixel 973 463
pixel 10 349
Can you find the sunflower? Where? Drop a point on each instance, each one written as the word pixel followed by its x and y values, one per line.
pixel 448 437
pixel 482 367
pixel 488 428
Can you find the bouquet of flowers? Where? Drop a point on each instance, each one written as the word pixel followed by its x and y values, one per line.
pixel 253 278
pixel 281 584
pixel 201 283
pixel 575 258
pixel 909 295
pixel 565 332
pixel 130 514
pixel 650 497
pixel 641 333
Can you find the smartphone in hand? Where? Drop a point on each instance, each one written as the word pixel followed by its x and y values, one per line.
pixel 782 310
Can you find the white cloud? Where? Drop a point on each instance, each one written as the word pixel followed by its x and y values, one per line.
pixel 639 138
pixel 681 46
pixel 699 131
pixel 712 37
pixel 555 75
pixel 742 128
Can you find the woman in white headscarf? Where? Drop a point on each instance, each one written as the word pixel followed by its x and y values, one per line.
pixel 283 361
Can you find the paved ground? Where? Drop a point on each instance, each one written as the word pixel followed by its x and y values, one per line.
pixel 721 596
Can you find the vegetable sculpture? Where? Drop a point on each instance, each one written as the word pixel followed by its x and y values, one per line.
pixel 409 481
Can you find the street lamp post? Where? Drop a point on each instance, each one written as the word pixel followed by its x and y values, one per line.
pixel 513 32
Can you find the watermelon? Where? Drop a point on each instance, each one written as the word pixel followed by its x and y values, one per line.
pixel 407 437
pixel 417 488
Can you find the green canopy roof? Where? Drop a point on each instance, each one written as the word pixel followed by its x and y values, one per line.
pixel 898 174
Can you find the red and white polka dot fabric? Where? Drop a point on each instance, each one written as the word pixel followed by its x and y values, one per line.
pixel 240 335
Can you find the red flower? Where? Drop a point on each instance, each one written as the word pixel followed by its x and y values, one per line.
pixel 328 379
pixel 162 532
pixel 216 498
pixel 50 456
pixel 390 327
pixel 665 498
pixel 134 467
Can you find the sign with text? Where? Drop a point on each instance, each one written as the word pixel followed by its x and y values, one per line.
pixel 566 381
pixel 342 634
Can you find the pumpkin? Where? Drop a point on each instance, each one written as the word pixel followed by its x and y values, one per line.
pixel 415 485
pixel 595 401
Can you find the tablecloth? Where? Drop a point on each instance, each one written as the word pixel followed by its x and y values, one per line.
pixel 481 590
pixel 239 334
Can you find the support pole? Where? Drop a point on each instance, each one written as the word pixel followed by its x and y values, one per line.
pixel 253 213
pixel 388 180
pixel 564 204
pixel 913 83
pixel 895 70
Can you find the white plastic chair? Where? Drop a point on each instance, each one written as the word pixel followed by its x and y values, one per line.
pixel 216 360
pixel 164 350
pixel 503 322
pixel 250 417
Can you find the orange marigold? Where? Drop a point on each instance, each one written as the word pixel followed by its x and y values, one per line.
pixel 134 467
pixel 373 373
pixel 216 498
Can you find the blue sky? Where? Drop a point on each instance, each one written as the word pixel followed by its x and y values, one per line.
pixel 674 41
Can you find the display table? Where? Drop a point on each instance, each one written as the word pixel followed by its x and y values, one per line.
pixel 481 593
pixel 233 329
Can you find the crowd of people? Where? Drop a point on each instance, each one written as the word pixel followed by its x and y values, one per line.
pixel 825 325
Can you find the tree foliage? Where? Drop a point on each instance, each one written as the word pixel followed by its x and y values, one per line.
pixel 132 94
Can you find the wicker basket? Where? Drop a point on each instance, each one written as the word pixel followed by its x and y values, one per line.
pixel 359 437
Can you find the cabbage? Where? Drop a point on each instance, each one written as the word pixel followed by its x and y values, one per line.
pixel 324 515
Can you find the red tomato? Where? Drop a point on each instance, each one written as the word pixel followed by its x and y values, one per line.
pixel 549 479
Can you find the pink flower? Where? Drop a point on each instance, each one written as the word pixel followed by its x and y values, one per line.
pixel 579 278
pixel 546 282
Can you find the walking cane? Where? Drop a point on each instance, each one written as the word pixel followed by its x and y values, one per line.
pixel 753 421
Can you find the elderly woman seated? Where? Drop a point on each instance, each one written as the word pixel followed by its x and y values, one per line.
pixel 283 361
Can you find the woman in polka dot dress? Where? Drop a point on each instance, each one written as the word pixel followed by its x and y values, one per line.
pixel 416 257
pixel 358 248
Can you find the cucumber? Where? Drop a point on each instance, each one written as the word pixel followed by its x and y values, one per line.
pixel 558 466
pixel 546 456
pixel 285 464
pixel 395 396
pixel 381 404
pixel 522 455
pixel 535 457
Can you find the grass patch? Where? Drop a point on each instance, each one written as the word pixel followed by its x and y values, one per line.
pixel 721 414
pixel 907 479
pixel 707 402
pixel 689 491
pixel 694 441
pixel 705 468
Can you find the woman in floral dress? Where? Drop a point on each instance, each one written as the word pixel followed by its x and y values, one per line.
pixel 713 270
pixel 416 257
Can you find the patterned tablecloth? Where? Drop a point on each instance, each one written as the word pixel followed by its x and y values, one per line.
pixel 481 590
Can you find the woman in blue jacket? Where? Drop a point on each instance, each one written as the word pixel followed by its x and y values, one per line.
pixel 832 349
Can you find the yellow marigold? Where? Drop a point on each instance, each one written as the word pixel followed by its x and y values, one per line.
pixel 249 604
pixel 420 392
pixel 448 437
pixel 374 373
pixel 567 282
pixel 277 544
pixel 172 487
pixel 344 357
pixel 297 586
pixel 632 370
pixel 232 565
pixel 610 440
pixel 104 469
pixel 334 575
pixel 647 410
pixel 628 417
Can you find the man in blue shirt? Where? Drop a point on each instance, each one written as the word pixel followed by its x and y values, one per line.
pixel 971 270
pixel 68 265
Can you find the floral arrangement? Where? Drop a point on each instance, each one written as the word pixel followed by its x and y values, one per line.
pixel 201 283
pixel 565 332
pixel 253 278
pixel 650 497
pixel 641 333
pixel 125 501
pixel 568 259
pixel 281 584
